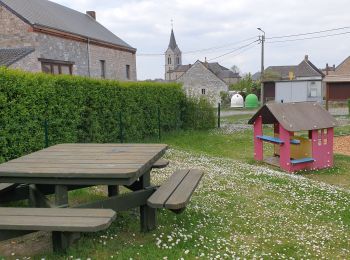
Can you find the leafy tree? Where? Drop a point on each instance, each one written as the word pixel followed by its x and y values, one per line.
pixel 246 85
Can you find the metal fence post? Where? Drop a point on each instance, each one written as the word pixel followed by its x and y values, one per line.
pixel 46 130
pixel 121 127
pixel 159 124
pixel 219 114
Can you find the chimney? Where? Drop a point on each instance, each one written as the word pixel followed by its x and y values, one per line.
pixel 92 14
pixel 327 69
pixel 306 57
pixel 205 62
pixel 333 67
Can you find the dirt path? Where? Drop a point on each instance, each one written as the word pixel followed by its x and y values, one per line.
pixel 342 145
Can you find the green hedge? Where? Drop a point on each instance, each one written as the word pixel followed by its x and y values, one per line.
pixel 349 105
pixel 82 110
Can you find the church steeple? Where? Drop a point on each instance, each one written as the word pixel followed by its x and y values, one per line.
pixel 173 58
pixel 172 43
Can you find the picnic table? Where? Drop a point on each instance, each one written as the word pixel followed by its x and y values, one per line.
pixel 61 168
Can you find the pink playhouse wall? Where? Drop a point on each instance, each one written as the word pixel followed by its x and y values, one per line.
pixel 322 147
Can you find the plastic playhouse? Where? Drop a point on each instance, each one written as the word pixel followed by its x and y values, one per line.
pixel 302 138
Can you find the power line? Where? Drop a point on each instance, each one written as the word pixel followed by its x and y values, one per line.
pixel 247 49
pixel 228 53
pixel 201 50
pixel 220 47
pixel 308 33
pixel 309 38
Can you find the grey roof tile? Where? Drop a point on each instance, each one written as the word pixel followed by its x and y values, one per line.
pixel 305 69
pixel 172 43
pixel 301 116
pixel 8 56
pixel 51 15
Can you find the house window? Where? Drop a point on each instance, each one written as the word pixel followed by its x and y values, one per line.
pixel 56 67
pixel 103 68
pixel 128 71
pixel 313 90
pixel 203 91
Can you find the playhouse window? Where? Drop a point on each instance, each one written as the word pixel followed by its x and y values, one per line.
pixel 325 136
pixel 322 137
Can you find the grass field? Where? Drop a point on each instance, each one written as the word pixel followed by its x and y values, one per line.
pixel 240 210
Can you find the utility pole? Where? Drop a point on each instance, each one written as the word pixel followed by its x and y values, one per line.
pixel 262 40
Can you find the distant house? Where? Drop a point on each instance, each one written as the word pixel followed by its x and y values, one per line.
pixel 39 35
pixel 204 80
pixel 337 82
pixel 201 81
pixel 297 83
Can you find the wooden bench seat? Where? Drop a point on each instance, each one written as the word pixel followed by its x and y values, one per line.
pixel 176 192
pixel 63 222
pixel 6 187
pixel 160 164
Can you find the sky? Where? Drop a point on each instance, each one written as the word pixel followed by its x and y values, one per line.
pixel 225 25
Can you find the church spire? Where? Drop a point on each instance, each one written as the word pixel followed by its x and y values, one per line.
pixel 172 43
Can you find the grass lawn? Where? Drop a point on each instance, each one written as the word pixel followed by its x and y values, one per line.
pixel 240 210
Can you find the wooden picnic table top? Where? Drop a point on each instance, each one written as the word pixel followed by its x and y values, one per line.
pixel 83 161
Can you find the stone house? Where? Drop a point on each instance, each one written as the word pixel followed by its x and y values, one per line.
pixel 296 83
pixel 39 35
pixel 201 79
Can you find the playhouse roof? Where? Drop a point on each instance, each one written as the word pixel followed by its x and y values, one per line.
pixel 295 117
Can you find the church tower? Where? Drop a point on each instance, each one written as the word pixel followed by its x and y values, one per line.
pixel 173 58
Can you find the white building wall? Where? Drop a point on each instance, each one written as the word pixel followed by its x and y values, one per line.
pixel 298 91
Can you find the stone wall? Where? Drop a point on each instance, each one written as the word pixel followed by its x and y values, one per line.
pixel 115 63
pixel 16 33
pixel 197 78
pixel 28 63
pixel 13 31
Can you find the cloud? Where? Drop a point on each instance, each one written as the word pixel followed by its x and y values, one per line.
pixel 200 24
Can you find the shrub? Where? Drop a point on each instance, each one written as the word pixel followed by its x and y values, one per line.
pixel 198 114
pixel 80 109
pixel 349 106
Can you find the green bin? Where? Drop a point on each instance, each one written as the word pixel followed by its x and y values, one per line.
pixel 251 101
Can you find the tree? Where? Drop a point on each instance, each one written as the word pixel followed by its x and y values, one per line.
pixel 235 69
pixel 246 85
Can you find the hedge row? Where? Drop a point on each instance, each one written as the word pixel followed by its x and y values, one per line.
pixel 83 110
pixel 349 105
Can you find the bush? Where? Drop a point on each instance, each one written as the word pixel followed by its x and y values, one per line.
pixel 198 114
pixel 82 110
pixel 349 106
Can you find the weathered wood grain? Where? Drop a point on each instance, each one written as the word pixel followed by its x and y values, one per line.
pixel 55 219
pixel 91 161
pixel 181 196
pixel 159 198
pixel 161 163
pixel 176 192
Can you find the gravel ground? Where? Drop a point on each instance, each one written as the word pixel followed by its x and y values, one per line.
pixel 342 145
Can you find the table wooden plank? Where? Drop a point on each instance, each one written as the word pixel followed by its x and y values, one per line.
pixel 32 165
pixel 62 224
pixel 79 160
pixel 91 161
pixel 58 212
